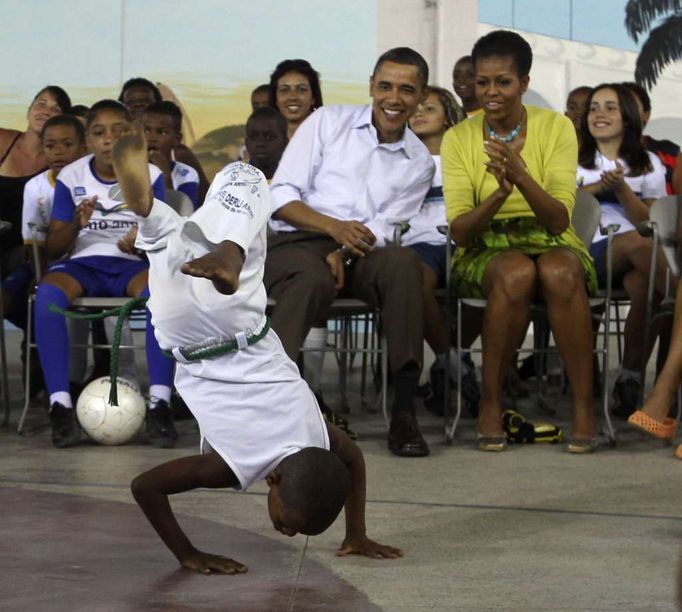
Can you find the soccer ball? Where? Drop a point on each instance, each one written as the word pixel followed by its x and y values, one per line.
pixel 109 424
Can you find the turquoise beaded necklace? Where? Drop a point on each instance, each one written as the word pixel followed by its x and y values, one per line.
pixel 509 137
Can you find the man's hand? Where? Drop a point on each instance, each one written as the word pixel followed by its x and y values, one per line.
pixel 127 243
pixel 206 563
pixel 357 237
pixel 84 211
pixel 362 545
pixel 335 263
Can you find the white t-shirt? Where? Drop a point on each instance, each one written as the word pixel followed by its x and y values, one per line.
pixel 111 220
pixel 252 406
pixel 187 310
pixel 424 226
pixel 646 186
pixel 337 166
pixel 186 179
pixel 37 209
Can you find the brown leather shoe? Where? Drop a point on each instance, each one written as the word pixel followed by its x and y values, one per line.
pixel 404 437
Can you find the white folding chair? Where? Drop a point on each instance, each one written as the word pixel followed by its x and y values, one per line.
pixel 662 228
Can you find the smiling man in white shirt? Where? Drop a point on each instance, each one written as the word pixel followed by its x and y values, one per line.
pixel 348 174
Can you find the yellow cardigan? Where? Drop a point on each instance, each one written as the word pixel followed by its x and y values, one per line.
pixel 550 154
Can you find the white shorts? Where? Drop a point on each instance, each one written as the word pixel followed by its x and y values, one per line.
pixel 253 408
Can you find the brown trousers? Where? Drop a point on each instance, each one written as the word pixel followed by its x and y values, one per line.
pixel 299 279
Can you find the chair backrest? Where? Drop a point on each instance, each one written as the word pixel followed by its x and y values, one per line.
pixel 665 213
pixel 586 216
pixel 179 202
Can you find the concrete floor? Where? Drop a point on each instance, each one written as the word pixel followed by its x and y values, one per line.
pixel 529 529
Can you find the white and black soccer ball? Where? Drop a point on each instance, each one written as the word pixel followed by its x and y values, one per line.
pixel 107 424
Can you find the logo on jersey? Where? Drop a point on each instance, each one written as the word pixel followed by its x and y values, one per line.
pixel 249 175
pixel 234 204
pixel 79 191
pixel 115 209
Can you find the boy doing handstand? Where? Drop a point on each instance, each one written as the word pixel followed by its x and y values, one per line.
pixel 258 418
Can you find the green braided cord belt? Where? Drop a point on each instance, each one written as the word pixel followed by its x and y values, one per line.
pixel 209 350
pixel 121 312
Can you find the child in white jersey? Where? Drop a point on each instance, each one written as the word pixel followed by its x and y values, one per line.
pixel 88 219
pixel 626 179
pixel 258 418
pixel 162 123
pixel 433 118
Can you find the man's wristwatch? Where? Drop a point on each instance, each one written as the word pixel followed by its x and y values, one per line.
pixel 346 256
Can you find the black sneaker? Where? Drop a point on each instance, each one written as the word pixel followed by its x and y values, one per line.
pixel 625 397
pixel 471 391
pixel 160 427
pixel 65 428
pixel 332 417
pixel 404 437
pixel 180 409
pixel 435 402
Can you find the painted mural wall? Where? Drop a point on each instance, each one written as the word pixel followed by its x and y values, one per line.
pixel 209 54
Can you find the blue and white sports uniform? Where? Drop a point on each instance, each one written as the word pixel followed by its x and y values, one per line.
pixel 423 235
pixel 98 265
pixel 649 186
pixel 111 220
pixel 186 179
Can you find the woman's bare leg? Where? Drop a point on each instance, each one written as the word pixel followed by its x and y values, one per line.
pixel 662 395
pixel 509 285
pixel 562 280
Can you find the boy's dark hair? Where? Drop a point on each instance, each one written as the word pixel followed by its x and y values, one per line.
pixel 267 112
pixel 79 110
pixel 580 89
pixel 60 96
pixel 464 58
pixel 407 56
pixel 503 43
pixel 302 67
pixel 631 149
pixel 67 121
pixel 263 87
pixel 140 82
pixel 641 93
pixel 113 105
pixel 314 485
pixel 171 109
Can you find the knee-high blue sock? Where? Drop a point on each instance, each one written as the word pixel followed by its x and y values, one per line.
pixel 160 367
pixel 52 338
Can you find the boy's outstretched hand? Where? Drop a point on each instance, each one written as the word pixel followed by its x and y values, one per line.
pixel 206 563
pixel 369 548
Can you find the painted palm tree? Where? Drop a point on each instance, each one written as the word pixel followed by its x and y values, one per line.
pixel 664 43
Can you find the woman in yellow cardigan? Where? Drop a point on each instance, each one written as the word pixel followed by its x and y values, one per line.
pixel 509 187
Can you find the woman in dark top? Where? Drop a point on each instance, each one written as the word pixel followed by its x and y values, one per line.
pixel 21 158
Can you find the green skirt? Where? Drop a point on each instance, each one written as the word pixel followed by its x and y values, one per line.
pixel 522 234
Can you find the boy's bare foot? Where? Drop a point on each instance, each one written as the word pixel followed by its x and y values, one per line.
pixel 215 267
pixel 129 156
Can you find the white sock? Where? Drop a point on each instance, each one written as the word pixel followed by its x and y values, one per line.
pixel 63 397
pixel 314 360
pixel 626 374
pixel 158 393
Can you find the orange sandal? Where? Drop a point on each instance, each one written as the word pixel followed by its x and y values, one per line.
pixel 678 452
pixel 664 430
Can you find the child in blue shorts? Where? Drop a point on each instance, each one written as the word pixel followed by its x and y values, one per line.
pixel 88 220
